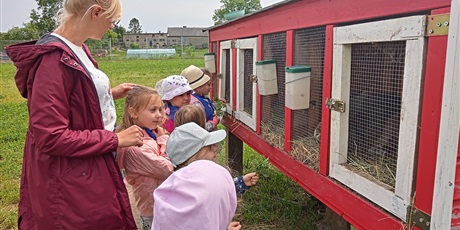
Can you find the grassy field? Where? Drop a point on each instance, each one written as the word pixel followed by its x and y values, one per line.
pixel 276 202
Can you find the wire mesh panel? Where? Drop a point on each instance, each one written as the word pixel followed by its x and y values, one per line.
pixel 227 76
pixel 248 85
pixel 309 51
pixel 274 48
pixel 377 71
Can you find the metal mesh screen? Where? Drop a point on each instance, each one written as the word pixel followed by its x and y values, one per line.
pixel 227 76
pixel 309 51
pixel 248 85
pixel 274 48
pixel 377 72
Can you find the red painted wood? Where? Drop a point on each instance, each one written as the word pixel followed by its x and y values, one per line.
pixel 213 90
pixel 234 56
pixel 429 124
pixel 356 210
pixel 218 68
pixel 308 13
pixel 260 46
pixel 288 129
pixel 326 113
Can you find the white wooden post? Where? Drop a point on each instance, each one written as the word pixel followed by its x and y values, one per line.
pixel 441 213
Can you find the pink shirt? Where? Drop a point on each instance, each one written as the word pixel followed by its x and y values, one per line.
pixel 146 167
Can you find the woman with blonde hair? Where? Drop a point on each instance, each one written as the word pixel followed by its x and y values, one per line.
pixel 70 179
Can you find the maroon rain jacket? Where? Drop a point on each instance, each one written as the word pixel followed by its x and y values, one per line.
pixel 70 179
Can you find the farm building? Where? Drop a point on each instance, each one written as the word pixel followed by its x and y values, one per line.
pixel 357 101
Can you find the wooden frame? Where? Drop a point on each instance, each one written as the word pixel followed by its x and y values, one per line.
pixel 226 46
pixel 409 29
pixel 447 152
pixel 240 114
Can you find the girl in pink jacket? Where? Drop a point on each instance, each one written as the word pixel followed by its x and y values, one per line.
pixel 146 167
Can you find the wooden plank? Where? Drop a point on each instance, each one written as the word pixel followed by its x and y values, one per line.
pixel 388 30
pixel 340 90
pixel 288 129
pixel 307 13
pixel 449 128
pixel 409 117
pixel 326 113
pixel 430 118
pixel 260 46
pixel 371 190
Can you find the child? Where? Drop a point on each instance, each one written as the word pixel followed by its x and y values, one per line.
pixel 201 84
pixel 146 167
pixel 191 113
pixel 199 196
pixel 200 193
pixel 176 92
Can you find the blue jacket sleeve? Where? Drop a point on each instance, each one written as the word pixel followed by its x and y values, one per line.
pixel 240 185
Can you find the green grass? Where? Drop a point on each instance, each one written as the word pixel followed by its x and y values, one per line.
pixel 276 202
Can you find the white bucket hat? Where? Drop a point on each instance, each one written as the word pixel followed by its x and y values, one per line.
pixel 195 76
pixel 174 85
pixel 187 139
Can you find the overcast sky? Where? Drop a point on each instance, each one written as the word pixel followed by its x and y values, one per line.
pixel 153 15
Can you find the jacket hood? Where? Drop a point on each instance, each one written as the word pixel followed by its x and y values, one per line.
pixel 27 55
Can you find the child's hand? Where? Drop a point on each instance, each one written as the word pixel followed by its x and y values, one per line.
pixel 251 179
pixel 160 131
pixel 234 226
pixel 215 120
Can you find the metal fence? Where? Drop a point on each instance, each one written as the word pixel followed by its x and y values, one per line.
pixel 116 50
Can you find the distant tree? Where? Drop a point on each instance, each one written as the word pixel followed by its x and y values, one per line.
pixel 120 30
pixel 44 18
pixel 28 32
pixel 134 46
pixel 234 5
pixel 134 26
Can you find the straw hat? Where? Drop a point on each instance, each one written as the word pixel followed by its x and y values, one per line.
pixel 195 76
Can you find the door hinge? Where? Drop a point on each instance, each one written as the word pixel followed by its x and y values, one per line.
pixel 335 104
pixel 418 218
pixel 437 25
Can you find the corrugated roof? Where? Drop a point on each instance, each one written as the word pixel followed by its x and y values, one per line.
pixel 187 32
pixel 256 12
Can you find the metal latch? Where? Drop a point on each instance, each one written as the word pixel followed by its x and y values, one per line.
pixel 253 78
pixel 233 44
pixel 437 25
pixel 418 218
pixel 335 104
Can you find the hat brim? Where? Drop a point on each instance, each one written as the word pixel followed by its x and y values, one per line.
pixel 201 82
pixel 216 137
pixel 176 92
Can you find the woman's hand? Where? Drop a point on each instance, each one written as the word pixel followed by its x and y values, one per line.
pixel 133 135
pixel 251 179
pixel 120 91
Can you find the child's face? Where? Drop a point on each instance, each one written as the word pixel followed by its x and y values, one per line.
pixel 181 100
pixel 152 115
pixel 211 152
pixel 204 89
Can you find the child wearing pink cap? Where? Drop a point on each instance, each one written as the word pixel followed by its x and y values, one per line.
pixel 200 194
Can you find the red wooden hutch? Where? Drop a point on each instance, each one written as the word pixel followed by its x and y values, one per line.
pixel 376 135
